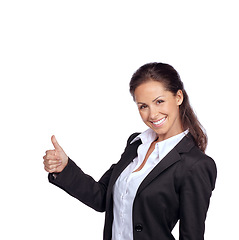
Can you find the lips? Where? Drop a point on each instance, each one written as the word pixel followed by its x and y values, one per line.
pixel 159 122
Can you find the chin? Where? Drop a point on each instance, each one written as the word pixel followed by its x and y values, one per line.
pixel 160 132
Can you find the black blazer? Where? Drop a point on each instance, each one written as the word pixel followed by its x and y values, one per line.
pixel 178 188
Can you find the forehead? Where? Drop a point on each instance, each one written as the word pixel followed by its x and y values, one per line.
pixel 150 90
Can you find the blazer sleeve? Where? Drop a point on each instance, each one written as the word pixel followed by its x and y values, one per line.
pixel 82 186
pixel 195 196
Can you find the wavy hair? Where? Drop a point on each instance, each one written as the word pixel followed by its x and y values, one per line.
pixel 169 77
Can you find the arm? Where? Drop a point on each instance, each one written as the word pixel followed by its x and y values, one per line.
pixel 82 186
pixel 64 173
pixel 195 196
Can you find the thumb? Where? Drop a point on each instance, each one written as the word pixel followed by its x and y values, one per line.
pixel 55 143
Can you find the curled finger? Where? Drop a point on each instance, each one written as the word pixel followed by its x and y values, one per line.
pixel 51 152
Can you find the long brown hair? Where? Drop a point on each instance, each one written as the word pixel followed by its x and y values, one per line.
pixel 170 78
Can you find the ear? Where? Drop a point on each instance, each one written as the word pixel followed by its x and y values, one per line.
pixel 179 97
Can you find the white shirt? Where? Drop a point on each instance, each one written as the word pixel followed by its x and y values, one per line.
pixel 127 184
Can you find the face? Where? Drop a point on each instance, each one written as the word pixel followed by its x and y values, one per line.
pixel 159 108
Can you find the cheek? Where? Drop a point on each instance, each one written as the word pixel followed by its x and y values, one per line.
pixel 170 107
pixel 173 111
pixel 143 115
pixel 165 109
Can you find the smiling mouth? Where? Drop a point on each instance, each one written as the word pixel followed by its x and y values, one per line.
pixel 159 123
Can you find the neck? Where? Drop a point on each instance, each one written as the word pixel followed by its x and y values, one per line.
pixel 162 137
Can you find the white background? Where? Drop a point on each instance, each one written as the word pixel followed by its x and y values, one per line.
pixel 64 70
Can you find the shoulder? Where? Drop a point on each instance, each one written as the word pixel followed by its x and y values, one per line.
pixel 197 164
pixel 132 137
pixel 195 157
pixel 201 162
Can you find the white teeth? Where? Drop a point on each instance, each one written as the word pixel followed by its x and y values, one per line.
pixel 159 122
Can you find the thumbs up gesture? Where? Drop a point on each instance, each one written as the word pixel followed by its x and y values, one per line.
pixel 55 160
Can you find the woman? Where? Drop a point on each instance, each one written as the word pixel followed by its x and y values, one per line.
pixel 163 175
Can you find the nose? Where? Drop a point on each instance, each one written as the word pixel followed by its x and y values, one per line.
pixel 153 113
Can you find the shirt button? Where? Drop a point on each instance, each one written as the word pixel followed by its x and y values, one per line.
pixel 138 227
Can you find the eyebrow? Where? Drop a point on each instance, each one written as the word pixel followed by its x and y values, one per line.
pixel 156 98
pixel 152 101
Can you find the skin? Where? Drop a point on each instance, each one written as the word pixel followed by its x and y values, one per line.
pixel 55 160
pixel 155 104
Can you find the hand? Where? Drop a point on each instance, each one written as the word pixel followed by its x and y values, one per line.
pixel 55 160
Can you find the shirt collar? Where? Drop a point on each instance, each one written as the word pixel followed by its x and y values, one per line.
pixel 149 136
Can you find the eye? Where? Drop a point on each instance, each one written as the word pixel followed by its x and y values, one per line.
pixel 159 101
pixel 143 106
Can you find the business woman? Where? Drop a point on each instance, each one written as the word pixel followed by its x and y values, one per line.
pixel 162 177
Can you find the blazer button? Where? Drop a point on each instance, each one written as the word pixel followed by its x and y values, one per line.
pixel 138 227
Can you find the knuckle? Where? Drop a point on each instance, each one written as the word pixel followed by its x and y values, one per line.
pixel 47 152
pixel 50 167
pixel 46 169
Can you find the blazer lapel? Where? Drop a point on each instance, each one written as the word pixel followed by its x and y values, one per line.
pixel 128 156
pixel 172 157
